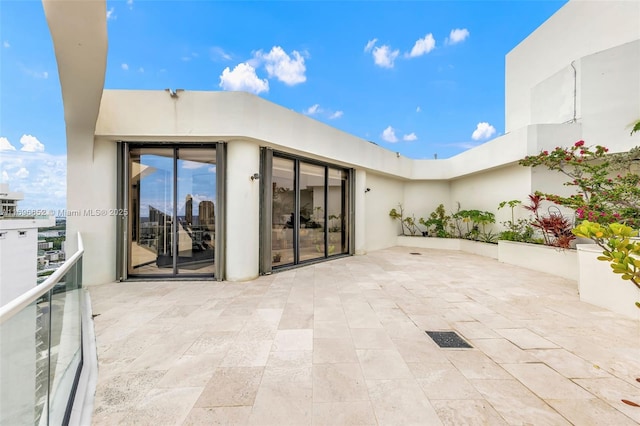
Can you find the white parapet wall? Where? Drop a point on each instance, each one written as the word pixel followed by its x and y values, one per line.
pixel 599 286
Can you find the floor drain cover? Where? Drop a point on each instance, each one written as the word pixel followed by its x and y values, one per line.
pixel 416 254
pixel 448 339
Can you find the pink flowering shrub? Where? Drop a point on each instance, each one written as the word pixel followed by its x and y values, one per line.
pixel 607 189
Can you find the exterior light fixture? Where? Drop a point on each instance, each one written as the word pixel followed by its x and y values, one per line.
pixel 173 93
pixel 367 190
pixel 255 176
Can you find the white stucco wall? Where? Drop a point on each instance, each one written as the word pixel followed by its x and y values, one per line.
pixel 423 197
pixel 243 210
pixel 553 100
pixel 91 191
pixel 146 115
pixel 386 193
pixel 578 29
pixel 485 191
pixel 611 96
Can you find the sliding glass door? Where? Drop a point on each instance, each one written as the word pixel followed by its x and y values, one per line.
pixel 172 199
pixel 309 212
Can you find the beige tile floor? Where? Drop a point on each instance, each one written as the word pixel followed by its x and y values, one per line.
pixel 343 342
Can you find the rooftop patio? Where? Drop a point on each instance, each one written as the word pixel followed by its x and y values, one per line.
pixel 343 342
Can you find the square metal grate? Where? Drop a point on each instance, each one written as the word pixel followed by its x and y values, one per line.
pixel 448 339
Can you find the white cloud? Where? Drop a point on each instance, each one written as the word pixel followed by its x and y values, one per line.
pixel 6 44
pixel 140 69
pixel 111 14
pixel 483 130
pixel 370 45
pixel 389 135
pixel 22 173
pixel 190 165
pixel 34 73
pixel 40 176
pixel 244 78
pixel 130 4
pixel 418 109
pixel 384 57
pixel 125 67
pixel 457 35
pixel 280 65
pixel 218 53
pixel 313 109
pixel 31 144
pixel 5 145
pixel 316 109
pixel 422 46
pixel 410 137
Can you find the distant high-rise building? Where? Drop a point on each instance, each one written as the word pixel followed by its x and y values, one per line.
pixel 206 216
pixel 188 207
pixel 9 200
pixel 18 245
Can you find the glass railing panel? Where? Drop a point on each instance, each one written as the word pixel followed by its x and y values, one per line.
pixel 66 343
pixel 24 365
pixel 41 349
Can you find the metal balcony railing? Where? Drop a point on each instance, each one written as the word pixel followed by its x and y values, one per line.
pixel 41 354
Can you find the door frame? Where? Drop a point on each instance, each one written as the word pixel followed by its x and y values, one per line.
pixel 266 210
pixel 122 201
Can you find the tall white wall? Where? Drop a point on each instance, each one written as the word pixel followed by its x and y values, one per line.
pixel 242 210
pixel 385 194
pixel 360 214
pixel 423 197
pixel 611 96
pixel 484 191
pixel 578 29
pixel 91 201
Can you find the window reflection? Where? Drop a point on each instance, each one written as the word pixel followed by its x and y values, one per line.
pixel 310 215
pixel 312 211
pixel 283 207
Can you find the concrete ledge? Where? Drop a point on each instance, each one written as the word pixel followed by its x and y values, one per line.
pixel 599 286
pixel 82 409
pixel 551 260
pixel 474 247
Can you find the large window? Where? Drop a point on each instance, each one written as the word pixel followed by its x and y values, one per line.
pixel 307 205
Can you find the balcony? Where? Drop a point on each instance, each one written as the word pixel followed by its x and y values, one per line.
pixel 344 342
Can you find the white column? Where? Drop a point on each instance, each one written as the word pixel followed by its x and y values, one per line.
pixel 361 210
pixel 91 205
pixel 242 210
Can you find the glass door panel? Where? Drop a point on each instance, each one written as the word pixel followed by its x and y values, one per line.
pixel 283 208
pixel 196 200
pixel 312 211
pixel 337 202
pixel 151 211
pixel 172 195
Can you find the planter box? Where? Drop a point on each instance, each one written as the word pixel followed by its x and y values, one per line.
pixel 599 286
pixel 552 260
pixel 475 247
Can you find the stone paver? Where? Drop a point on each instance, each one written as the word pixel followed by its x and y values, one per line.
pixel 343 342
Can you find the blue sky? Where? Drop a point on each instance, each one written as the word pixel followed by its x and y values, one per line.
pixel 417 77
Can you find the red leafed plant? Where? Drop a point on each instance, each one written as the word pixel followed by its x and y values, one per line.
pixel 555 228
